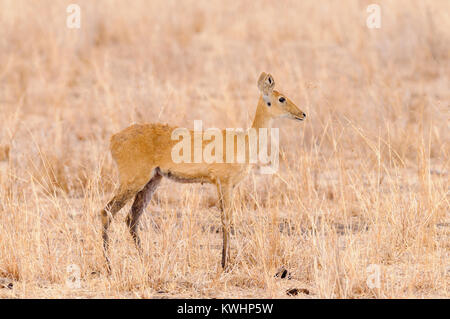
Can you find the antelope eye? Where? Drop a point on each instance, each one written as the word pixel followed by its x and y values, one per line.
pixel 282 99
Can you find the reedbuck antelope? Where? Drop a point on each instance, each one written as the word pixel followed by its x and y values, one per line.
pixel 143 157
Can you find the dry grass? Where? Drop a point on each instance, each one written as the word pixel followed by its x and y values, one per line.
pixel 365 180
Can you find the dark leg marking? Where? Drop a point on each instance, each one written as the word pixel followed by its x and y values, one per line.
pixel 140 202
pixel 107 214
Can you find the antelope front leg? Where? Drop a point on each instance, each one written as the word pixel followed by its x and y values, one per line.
pixel 225 196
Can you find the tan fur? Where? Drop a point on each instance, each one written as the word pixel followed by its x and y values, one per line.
pixel 4 153
pixel 143 157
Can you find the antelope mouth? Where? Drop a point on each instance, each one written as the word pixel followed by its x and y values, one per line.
pixel 299 118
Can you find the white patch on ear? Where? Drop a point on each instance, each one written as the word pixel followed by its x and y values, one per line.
pixel 266 99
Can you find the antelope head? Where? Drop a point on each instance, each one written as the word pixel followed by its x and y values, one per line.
pixel 277 104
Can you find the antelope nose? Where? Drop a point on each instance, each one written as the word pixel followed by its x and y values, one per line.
pixel 304 115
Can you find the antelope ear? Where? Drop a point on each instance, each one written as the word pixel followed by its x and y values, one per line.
pixel 266 83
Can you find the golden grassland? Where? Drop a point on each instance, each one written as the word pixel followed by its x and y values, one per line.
pixel 364 180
